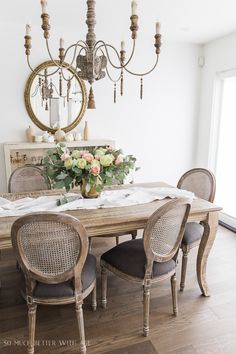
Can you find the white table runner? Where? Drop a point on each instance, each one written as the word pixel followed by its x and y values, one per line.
pixel 108 199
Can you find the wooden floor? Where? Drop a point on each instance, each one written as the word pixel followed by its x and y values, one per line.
pixel 204 325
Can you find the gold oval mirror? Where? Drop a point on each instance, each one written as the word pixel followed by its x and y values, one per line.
pixel 55 98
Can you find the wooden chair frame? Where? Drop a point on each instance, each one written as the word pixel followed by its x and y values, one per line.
pixel 186 248
pixel 32 275
pixel 151 256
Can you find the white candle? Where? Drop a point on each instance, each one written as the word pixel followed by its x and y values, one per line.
pixel 62 43
pixel 134 6
pixel 28 30
pixel 44 6
pixel 158 28
pixel 122 45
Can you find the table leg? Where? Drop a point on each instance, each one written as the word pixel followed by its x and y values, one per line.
pixel 210 228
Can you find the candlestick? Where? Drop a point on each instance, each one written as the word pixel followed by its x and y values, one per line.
pixel 134 6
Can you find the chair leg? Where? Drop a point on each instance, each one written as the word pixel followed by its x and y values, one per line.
pixel 0 260
pixel 174 294
pixel 184 267
pixel 104 287
pixel 117 241
pixel 80 319
pixel 32 308
pixel 90 244
pixel 146 309
pixel 94 298
pixel 134 234
pixel 18 266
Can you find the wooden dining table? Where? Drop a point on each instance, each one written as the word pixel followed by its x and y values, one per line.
pixel 105 221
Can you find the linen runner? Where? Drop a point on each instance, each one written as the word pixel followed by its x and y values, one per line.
pixel 108 199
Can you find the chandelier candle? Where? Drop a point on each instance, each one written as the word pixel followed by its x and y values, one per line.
pixel 44 6
pixel 134 6
pixel 28 30
pixel 92 57
pixel 61 50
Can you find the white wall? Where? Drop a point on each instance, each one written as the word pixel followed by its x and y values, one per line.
pixel 219 56
pixel 160 130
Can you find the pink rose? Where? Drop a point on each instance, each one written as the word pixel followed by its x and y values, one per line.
pixel 82 152
pixel 88 157
pixel 119 160
pixel 95 169
pixel 65 156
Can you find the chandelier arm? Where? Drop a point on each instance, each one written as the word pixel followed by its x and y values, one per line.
pixel 67 80
pixel 146 73
pixel 35 91
pixel 50 55
pixel 76 45
pixel 41 75
pixel 74 72
pixel 60 66
pixel 108 74
pixel 57 91
pixel 103 44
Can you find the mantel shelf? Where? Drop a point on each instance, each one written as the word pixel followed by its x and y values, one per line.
pixel 73 144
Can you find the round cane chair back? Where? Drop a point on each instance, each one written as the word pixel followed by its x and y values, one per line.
pixel 50 245
pixel 164 231
pixel 200 181
pixel 28 179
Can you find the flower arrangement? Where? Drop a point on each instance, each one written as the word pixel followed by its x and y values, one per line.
pixel 90 169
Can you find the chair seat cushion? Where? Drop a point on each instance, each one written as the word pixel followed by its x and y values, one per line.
pixel 66 289
pixel 193 233
pixel 129 257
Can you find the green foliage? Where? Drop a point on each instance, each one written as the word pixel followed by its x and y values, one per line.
pixel 104 166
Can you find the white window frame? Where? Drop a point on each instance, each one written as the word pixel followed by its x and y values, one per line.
pixel 215 131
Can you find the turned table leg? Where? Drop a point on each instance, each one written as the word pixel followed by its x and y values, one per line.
pixel 210 228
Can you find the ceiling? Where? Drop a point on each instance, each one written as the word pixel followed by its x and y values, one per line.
pixel 195 21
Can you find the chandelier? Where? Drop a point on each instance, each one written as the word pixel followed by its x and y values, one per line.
pixel 91 57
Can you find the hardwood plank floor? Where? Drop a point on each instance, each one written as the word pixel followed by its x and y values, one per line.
pixel 203 326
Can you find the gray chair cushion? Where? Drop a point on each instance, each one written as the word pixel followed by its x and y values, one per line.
pixel 193 233
pixel 129 257
pixel 66 289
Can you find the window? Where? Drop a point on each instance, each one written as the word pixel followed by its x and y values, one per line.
pixel 225 148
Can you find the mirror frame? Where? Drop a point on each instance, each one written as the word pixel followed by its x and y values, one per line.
pixel 28 105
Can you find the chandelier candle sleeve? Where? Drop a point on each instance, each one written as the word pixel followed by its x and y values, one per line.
pixel 61 50
pixel 44 6
pixel 28 30
pixel 122 45
pixel 158 28
pixel 62 43
pixel 134 6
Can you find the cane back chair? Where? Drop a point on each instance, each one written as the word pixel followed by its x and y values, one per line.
pixel 27 179
pixel 52 250
pixel 151 259
pixel 202 183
